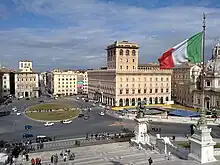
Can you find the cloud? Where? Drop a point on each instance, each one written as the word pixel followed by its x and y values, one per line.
pixel 88 26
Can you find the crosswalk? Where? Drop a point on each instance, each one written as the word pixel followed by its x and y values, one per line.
pixel 111 154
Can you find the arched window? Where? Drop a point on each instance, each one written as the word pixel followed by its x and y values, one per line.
pixel 156 100
pixel 133 102
pixel 127 102
pixel 127 52
pixel 133 53
pixel 121 103
pixel 121 52
pixel 150 100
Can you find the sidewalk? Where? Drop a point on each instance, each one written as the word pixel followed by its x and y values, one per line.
pixel 161 119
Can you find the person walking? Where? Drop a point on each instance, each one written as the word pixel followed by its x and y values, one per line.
pixel 150 161
pixel 32 161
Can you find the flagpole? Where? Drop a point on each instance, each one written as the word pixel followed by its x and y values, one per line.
pixel 202 121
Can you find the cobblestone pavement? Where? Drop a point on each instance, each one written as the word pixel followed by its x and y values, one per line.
pixel 113 154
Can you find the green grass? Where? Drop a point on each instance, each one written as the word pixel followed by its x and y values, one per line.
pixel 53 116
pixel 53 106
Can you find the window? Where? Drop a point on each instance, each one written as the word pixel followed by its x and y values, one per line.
pixel 121 52
pixel 121 79
pixel 156 90
pixel 126 60
pixel 133 67
pixel 126 85
pixel 208 84
pixel 156 78
pixel 127 52
pixel 4 77
pixel 120 85
pixel 133 79
pixel 133 53
pixel 133 60
pixel 150 79
pixel 145 91
pixel 139 91
pixel 127 91
pixel 121 91
pixel 127 79
pixel 120 59
pixel 132 85
pixel 127 67
pixel 161 90
pixel 133 91
pixel 161 79
pixel 167 90
pixel 121 67
pixel 151 91
pixel 167 79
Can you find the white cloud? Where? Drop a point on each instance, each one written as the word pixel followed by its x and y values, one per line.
pixel 93 25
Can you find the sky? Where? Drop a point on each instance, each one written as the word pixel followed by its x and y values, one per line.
pixel 73 34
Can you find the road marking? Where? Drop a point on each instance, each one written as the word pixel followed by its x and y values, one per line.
pixel 116 124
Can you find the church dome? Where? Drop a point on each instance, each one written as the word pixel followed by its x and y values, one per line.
pixel 213 65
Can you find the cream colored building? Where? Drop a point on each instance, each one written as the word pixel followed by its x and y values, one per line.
pixel 64 82
pixel 124 83
pixel 26 81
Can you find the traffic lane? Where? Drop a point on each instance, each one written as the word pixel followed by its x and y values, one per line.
pixel 178 129
pixel 78 128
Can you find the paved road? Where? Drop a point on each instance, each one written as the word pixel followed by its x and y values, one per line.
pixel 12 126
pixel 178 129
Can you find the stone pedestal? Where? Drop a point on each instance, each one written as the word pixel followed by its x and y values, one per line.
pixel 141 131
pixel 202 145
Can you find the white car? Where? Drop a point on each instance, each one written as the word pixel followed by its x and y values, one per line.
pixel 48 124
pixel 18 113
pixel 67 121
pixel 102 114
pixel 14 109
pixel 77 98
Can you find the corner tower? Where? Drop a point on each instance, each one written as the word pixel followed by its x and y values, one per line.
pixel 122 56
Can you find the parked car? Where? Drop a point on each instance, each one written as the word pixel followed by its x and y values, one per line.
pixel 66 121
pixel 41 101
pixel 48 124
pixel 77 98
pixel 43 138
pixel 28 135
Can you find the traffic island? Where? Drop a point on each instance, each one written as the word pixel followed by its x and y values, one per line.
pixel 51 112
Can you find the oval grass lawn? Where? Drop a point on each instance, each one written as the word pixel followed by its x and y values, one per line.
pixel 48 106
pixel 53 116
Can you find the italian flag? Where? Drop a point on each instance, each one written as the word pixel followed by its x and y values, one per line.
pixel 189 50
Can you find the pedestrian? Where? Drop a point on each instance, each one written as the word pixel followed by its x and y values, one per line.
pixel 150 161
pixel 37 161
pixel 32 161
